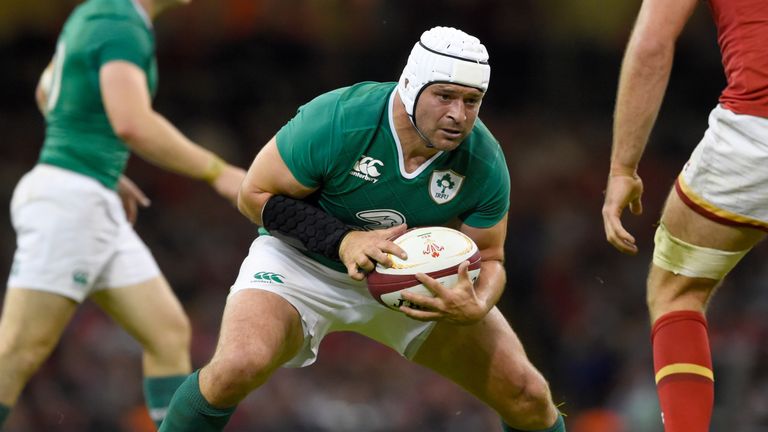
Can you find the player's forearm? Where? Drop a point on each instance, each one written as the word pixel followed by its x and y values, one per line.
pixel 643 81
pixel 491 282
pixel 155 139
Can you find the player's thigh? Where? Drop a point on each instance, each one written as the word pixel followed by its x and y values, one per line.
pixel 32 321
pixel 260 331
pixel 689 226
pixel 669 290
pixel 487 359
pixel 261 327
pixel 149 311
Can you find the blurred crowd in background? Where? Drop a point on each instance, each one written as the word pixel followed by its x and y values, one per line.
pixel 233 71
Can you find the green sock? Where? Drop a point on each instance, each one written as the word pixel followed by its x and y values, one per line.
pixel 4 411
pixel 190 412
pixel 158 392
pixel 559 426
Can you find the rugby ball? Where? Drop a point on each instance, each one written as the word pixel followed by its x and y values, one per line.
pixel 434 251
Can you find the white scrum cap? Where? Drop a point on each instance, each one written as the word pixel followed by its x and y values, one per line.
pixel 443 54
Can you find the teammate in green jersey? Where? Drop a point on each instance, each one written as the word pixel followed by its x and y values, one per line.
pixel 73 212
pixel 352 169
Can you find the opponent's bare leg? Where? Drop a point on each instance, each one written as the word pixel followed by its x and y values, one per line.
pixel 488 360
pixel 677 303
pixel 259 332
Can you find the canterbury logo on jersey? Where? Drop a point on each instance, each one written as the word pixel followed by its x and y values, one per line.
pixel 268 277
pixel 367 168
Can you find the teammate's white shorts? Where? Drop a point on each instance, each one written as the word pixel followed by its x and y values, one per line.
pixel 327 300
pixel 726 177
pixel 72 236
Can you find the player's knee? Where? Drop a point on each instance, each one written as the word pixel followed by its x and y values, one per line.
pixel 24 358
pixel 667 292
pixel 230 378
pixel 245 369
pixel 172 340
pixel 530 406
pixel 534 401
pixel 180 332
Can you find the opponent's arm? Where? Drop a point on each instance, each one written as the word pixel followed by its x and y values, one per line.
pixel 128 105
pixel 466 303
pixel 643 80
pixel 271 196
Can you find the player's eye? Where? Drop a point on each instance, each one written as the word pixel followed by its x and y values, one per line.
pixel 473 102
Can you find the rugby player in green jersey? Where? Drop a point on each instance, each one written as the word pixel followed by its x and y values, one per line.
pixel 352 169
pixel 73 211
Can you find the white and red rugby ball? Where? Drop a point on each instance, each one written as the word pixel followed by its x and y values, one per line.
pixel 435 251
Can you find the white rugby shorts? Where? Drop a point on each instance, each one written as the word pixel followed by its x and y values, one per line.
pixel 327 300
pixel 72 236
pixel 726 177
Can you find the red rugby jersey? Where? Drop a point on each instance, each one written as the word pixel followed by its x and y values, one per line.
pixel 742 28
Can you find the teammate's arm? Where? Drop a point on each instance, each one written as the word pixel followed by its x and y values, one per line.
pixel 269 177
pixel 642 82
pixel 465 302
pixel 128 105
pixel 132 198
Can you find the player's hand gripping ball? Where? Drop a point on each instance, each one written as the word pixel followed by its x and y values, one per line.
pixel 434 251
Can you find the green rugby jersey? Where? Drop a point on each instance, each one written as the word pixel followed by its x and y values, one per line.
pixel 78 135
pixel 343 142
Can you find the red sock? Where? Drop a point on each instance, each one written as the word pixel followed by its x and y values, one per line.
pixel 683 366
